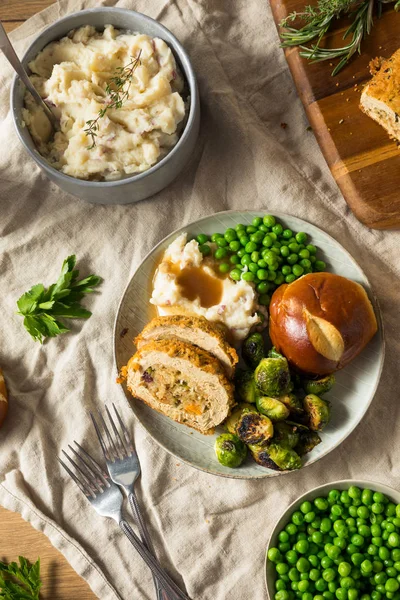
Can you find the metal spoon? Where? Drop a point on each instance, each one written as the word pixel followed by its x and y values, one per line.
pixel 9 53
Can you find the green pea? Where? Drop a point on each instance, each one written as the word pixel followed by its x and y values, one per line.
pixel 392 585
pixel 220 253
pixel 284 546
pixel 357 558
pixel 345 498
pixel 221 242
pixel 341 594
pixel 282 568
pixel 202 238
pixel 311 248
pixel 344 569
pixel 250 247
pixel 282 595
pixel 284 250
pixel 293 247
pixel 224 267
pixel 384 553
pixel 291 528
pixel 267 241
pixel 391 572
pixel 305 254
pixel 377 566
pixel 246 259
pixel 303 565
pixel 326 562
pixel 310 516
pixel 340 543
pixel 390 510
pixel 363 512
pixel 216 236
pixel 279 279
pixel 292 259
pixel 205 249
pixel 333 552
pixel 280 585
pixel 290 278
pixel 253 267
pixel 317 537
pixel 262 274
pixel 366 566
pixel 273 236
pixel 230 235
pixel 241 252
pixel 357 540
pixel 234 245
pixel 240 227
pixel 376 595
pixel 257 237
pixel 251 229
pixel 248 276
pixel 377 508
pixel 244 239
pixel 269 220
pixel 303 586
pixel 235 274
pixel 263 228
pixel 329 574
pixel 347 582
pixel 394 540
pixel 380 578
pixel 271 275
pixel 257 221
pixel 262 264
pixel 301 237
pixel 302 546
pixel 298 270
pixel 372 550
pixel 294 575
pixel 234 259
pixel 352 594
pixel 263 287
pixel 314 574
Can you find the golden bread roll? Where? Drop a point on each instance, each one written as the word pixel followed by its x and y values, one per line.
pixel 320 322
pixel 3 399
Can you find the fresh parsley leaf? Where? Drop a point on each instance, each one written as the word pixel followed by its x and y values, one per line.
pixel 20 582
pixel 40 306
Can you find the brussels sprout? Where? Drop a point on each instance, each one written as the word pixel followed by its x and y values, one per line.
pixel 253 428
pixel 319 386
pixel 253 349
pixel 272 377
pixel 308 441
pixel 230 451
pixel 272 408
pixel 245 385
pixel 276 457
pixel 293 403
pixel 273 353
pixel 286 434
pixel 318 412
pixel 232 421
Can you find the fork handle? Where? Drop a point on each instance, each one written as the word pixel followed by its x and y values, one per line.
pixel 144 534
pixel 163 577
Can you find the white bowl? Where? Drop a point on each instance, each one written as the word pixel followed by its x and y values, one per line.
pixel 321 490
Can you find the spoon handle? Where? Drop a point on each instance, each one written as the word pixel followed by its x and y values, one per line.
pixel 9 53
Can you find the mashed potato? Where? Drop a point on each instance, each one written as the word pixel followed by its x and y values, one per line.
pixel 72 75
pixel 185 283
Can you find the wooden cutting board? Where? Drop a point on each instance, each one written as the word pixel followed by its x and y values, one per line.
pixel 364 161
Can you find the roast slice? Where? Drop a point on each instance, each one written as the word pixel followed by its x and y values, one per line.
pixel 183 382
pixel 194 330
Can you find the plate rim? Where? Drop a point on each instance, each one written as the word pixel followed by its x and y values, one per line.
pixel 268 474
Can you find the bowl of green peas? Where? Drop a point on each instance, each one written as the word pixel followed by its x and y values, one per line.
pixel 339 541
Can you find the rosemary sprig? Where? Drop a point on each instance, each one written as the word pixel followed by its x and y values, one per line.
pixel 317 21
pixel 117 91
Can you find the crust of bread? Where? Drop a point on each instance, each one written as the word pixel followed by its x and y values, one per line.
pixel 380 99
pixel 189 325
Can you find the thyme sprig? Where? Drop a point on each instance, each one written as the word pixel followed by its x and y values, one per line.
pixel 117 91
pixel 318 20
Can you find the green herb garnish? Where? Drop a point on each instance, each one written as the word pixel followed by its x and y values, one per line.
pixel 318 20
pixel 42 306
pixel 117 91
pixel 20 582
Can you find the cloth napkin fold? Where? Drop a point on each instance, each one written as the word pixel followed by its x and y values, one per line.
pixel 211 533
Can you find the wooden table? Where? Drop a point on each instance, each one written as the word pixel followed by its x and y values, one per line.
pixel 60 582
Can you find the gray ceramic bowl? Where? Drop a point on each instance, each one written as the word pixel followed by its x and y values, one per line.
pixel 137 187
pixel 322 490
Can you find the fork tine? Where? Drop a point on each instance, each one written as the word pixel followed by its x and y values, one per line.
pixel 82 482
pixel 89 478
pixel 95 464
pixel 117 453
pixel 92 463
pixel 85 490
pixel 106 452
pixel 117 434
pixel 125 431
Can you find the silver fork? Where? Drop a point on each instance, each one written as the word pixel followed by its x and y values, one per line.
pixel 124 469
pixel 107 499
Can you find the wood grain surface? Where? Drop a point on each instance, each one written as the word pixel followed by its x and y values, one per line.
pixel 60 582
pixel 364 161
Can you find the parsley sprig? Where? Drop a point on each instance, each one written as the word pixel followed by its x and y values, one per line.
pixel 42 306
pixel 317 20
pixel 117 91
pixel 20 582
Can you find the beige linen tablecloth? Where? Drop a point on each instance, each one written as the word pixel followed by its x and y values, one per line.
pixel 210 532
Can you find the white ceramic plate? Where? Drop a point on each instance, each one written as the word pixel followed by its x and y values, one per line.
pixel 322 490
pixel 351 396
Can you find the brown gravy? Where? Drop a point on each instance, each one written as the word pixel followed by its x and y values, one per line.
pixel 195 282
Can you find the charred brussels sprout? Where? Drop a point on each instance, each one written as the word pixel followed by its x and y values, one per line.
pixel 272 408
pixel 253 428
pixel 230 451
pixel 293 403
pixel 319 386
pixel 232 421
pixel 253 349
pixel 272 377
pixel 246 386
pixel 318 412
pixel 276 457
pixel 308 441
pixel 273 353
pixel 286 435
